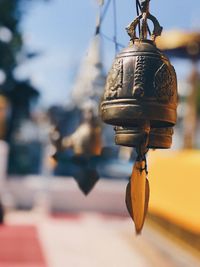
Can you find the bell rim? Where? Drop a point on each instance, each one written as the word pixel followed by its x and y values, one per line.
pixel 153 131
pixel 156 141
pixel 160 115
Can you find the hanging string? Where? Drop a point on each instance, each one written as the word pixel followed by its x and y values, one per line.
pixel 115 25
pixel 139 9
pixel 112 40
pixel 102 17
pixel 104 12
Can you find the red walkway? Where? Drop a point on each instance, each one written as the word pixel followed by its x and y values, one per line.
pixel 20 247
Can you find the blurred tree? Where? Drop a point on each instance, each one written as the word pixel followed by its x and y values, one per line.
pixel 19 93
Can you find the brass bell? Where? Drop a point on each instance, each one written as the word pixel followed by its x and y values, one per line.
pixel 159 138
pixel 140 100
pixel 141 85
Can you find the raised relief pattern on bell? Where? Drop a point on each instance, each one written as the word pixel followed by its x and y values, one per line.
pixel 141 86
pixel 139 77
pixel 165 83
pixel 114 80
pixel 140 100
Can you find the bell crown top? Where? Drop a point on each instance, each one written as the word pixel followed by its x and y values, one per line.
pixel 142 22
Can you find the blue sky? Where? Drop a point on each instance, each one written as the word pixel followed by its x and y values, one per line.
pixel 62 29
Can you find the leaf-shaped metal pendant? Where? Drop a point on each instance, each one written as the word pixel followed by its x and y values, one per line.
pixel 129 202
pixel 147 194
pixel 139 195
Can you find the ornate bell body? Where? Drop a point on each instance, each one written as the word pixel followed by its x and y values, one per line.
pixel 140 100
pixel 159 138
pixel 141 86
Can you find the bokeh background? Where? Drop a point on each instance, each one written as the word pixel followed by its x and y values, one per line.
pixel 69 210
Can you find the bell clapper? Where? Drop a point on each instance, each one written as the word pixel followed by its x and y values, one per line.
pixel 139 185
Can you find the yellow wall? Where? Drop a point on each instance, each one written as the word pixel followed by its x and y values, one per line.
pixel 175 187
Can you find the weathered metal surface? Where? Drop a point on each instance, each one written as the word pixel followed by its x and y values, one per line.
pixel 159 138
pixel 140 100
pixel 140 86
